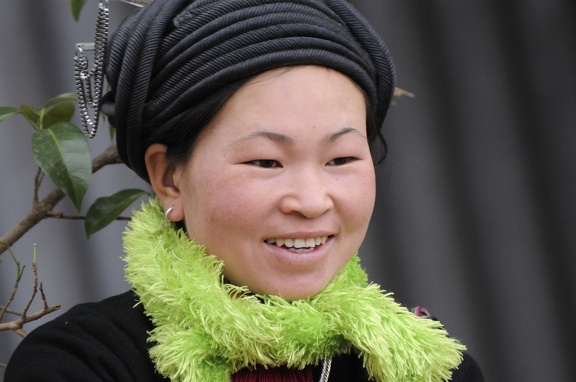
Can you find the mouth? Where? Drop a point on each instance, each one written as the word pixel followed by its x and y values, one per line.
pixel 300 245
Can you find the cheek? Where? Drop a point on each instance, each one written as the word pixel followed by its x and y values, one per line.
pixel 370 192
pixel 227 203
pixel 359 200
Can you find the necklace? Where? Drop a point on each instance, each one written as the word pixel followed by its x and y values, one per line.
pixel 326 366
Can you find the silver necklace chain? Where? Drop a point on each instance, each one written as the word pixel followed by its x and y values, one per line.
pixel 90 82
pixel 326 366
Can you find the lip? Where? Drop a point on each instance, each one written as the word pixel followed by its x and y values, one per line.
pixel 301 235
pixel 299 259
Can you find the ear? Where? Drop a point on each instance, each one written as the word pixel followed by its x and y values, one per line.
pixel 164 178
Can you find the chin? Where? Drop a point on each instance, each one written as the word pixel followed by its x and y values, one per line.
pixel 298 293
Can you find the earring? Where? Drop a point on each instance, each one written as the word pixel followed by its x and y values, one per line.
pixel 167 213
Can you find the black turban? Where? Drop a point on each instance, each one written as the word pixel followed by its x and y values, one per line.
pixel 175 53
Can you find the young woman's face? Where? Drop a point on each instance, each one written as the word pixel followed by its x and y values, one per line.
pixel 280 185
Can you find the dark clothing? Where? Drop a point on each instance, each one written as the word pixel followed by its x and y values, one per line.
pixel 107 341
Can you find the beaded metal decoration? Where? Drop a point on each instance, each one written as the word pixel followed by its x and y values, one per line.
pixel 90 82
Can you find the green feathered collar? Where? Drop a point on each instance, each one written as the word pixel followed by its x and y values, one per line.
pixel 206 330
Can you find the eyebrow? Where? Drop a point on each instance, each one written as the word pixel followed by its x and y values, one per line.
pixel 276 137
pixel 286 140
pixel 346 130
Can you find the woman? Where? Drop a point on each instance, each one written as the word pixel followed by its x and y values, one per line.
pixel 255 123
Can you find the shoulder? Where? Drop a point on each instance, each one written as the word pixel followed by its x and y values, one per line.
pixel 349 367
pixel 91 342
pixel 468 371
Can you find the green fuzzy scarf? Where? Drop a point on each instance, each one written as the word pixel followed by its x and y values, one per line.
pixel 206 329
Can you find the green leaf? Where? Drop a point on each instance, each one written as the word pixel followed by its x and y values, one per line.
pixel 7 111
pixel 76 8
pixel 60 98
pixel 31 113
pixel 61 112
pixel 62 152
pixel 106 209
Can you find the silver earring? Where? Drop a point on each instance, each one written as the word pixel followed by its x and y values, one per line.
pixel 167 213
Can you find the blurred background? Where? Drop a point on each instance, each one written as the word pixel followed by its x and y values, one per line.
pixel 476 210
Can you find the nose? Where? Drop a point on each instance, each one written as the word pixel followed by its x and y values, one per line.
pixel 308 194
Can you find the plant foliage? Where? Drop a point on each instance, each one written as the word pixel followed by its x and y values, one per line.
pixel 76 6
pixel 62 152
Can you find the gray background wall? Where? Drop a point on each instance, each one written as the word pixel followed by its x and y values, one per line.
pixel 475 217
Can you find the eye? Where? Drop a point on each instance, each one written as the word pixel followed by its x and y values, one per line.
pixel 264 163
pixel 341 161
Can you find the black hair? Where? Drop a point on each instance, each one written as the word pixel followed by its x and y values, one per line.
pixel 180 133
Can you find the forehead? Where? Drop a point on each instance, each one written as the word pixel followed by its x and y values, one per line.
pixel 309 77
pixel 309 92
pixel 301 107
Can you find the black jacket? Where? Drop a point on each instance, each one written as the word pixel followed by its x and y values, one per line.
pixel 106 341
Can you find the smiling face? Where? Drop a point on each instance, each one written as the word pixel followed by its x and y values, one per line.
pixel 280 185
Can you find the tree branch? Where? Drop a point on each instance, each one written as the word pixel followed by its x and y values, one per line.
pixel 61 215
pixel 9 311
pixel 37 181
pixel 41 209
pixel 399 92
pixel 16 325
pixel 19 272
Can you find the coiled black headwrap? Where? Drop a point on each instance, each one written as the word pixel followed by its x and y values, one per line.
pixel 175 53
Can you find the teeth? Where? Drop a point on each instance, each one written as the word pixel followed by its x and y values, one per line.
pixel 299 243
pixel 310 242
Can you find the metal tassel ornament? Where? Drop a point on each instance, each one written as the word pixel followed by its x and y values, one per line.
pixel 90 82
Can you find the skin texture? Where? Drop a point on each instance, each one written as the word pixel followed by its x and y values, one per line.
pixel 285 158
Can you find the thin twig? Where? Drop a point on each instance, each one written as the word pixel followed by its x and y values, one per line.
pixel 43 295
pixel 34 283
pixel 9 311
pixel 37 182
pixel 17 324
pixel 19 271
pixel 399 92
pixel 61 215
